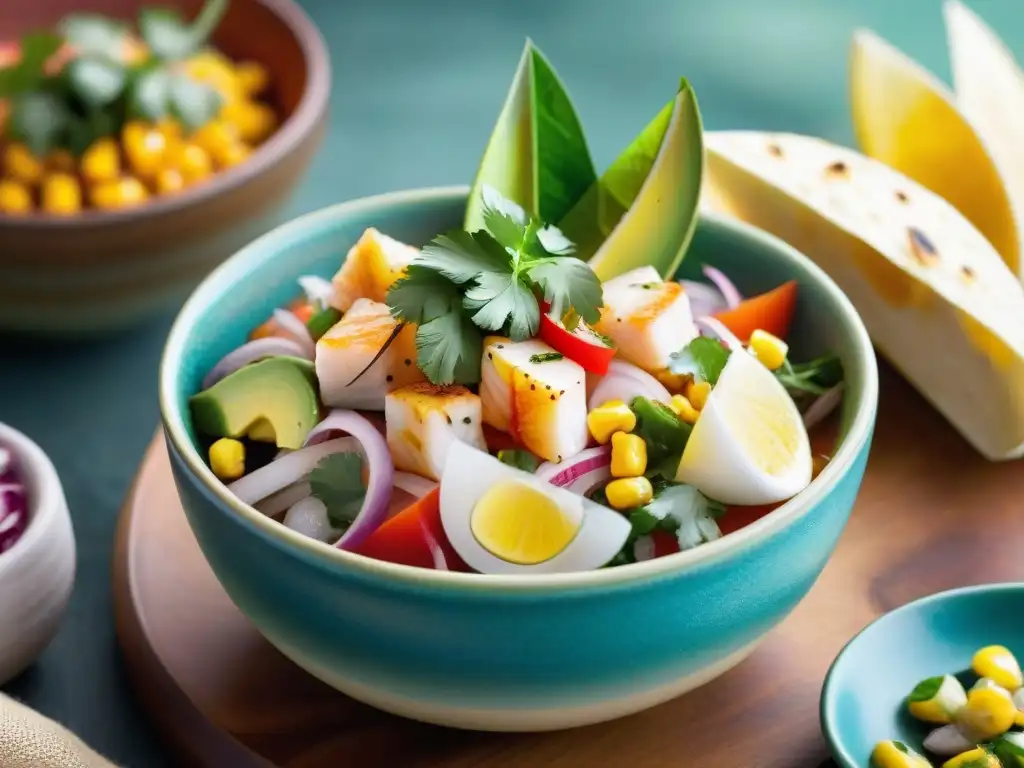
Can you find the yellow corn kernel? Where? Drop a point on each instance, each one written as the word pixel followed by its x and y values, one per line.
pixel 15 198
pixel 628 492
pixel 227 459
pixel 191 160
pixel 234 155
pixel 769 349
pixel 974 758
pixel 216 138
pixel 999 665
pixel 674 382
pixel 170 128
pixel 60 160
pixel 61 195
pixel 169 181
pixel 697 393
pixel 254 121
pixel 120 193
pixel 891 754
pixel 988 713
pixel 682 408
pixel 101 162
pixel 252 77
pixel 609 418
pixel 216 70
pixel 21 165
pixel 629 455
pixel 144 146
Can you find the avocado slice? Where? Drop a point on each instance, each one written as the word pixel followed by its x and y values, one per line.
pixel 274 400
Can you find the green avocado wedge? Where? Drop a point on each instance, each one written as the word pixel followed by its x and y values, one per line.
pixel 274 400
pixel 537 155
pixel 643 210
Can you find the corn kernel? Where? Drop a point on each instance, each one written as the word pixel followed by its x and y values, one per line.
pixel 120 193
pixel 628 492
pixel 975 758
pixel 191 160
pixel 169 181
pixel 769 349
pixel 887 754
pixel 254 121
pixel 234 155
pixel 682 408
pixel 61 160
pixel 170 128
pixel 609 418
pixel 252 77
pixel 629 455
pixel 61 194
pixel 674 382
pixel 144 146
pixel 15 198
pixel 21 165
pixel 101 162
pixel 216 138
pixel 217 71
pixel 697 393
pixel 998 664
pixel 227 459
pixel 988 713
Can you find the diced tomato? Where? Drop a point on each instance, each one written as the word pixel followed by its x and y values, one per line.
pixel 581 345
pixel 772 312
pixel 740 517
pixel 413 537
pixel 665 543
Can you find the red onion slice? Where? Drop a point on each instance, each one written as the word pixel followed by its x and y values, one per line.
pixel 704 299
pixel 624 381
pixel 13 502
pixel 379 463
pixel 823 406
pixel 718 329
pixel 287 470
pixel 414 485
pixel 250 352
pixel 319 292
pixel 580 474
pixel 729 291
pixel 296 330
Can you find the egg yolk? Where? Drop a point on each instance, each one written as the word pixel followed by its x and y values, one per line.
pixel 521 525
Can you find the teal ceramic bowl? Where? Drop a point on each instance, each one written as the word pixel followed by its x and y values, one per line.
pixel 862 702
pixel 507 653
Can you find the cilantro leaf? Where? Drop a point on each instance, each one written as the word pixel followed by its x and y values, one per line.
pixel 422 295
pixel 815 377
pixel 703 358
pixel 448 350
pixel 461 256
pixel 504 219
pixel 664 433
pixel 554 241
pixel 338 482
pixel 497 299
pixel 569 283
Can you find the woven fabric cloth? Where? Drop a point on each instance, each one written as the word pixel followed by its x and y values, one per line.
pixel 29 740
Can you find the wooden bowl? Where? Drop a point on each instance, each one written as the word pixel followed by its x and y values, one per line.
pixel 102 271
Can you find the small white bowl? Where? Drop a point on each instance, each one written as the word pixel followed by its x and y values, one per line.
pixel 38 572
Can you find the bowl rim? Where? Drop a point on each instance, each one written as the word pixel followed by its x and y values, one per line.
pixel 46 494
pixel 263 248
pixel 286 138
pixel 830 688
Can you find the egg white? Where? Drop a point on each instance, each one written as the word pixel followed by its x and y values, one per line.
pixel 469 473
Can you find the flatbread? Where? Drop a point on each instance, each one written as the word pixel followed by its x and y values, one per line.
pixel 936 298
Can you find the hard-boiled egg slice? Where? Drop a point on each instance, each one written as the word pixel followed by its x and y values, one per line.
pixel 749 445
pixel 502 520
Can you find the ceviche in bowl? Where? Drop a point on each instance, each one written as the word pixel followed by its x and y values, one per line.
pixel 482 458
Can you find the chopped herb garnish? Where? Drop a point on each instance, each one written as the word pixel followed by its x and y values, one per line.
pixel 664 433
pixel 926 689
pixel 322 322
pixel 489 280
pixel 815 377
pixel 520 459
pixel 338 482
pixel 703 358
pixel 546 357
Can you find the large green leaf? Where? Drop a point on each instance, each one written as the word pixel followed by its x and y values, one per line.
pixel 537 155
pixel 643 210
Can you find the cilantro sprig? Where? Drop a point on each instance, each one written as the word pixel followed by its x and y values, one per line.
pixel 492 280
pixel 814 377
pixel 338 482
pixel 703 358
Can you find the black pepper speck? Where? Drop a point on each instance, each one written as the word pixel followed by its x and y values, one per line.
pixel 552 397
pixel 533 386
pixel 407 361
pixel 467 420
pixel 389 378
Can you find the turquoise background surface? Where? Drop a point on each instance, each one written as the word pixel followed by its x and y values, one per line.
pixel 418 84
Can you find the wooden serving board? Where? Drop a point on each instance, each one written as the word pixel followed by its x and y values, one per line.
pixel 931 515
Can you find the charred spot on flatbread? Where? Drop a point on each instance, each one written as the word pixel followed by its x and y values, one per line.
pixel 837 170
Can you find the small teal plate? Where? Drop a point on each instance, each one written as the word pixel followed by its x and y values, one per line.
pixel 862 701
